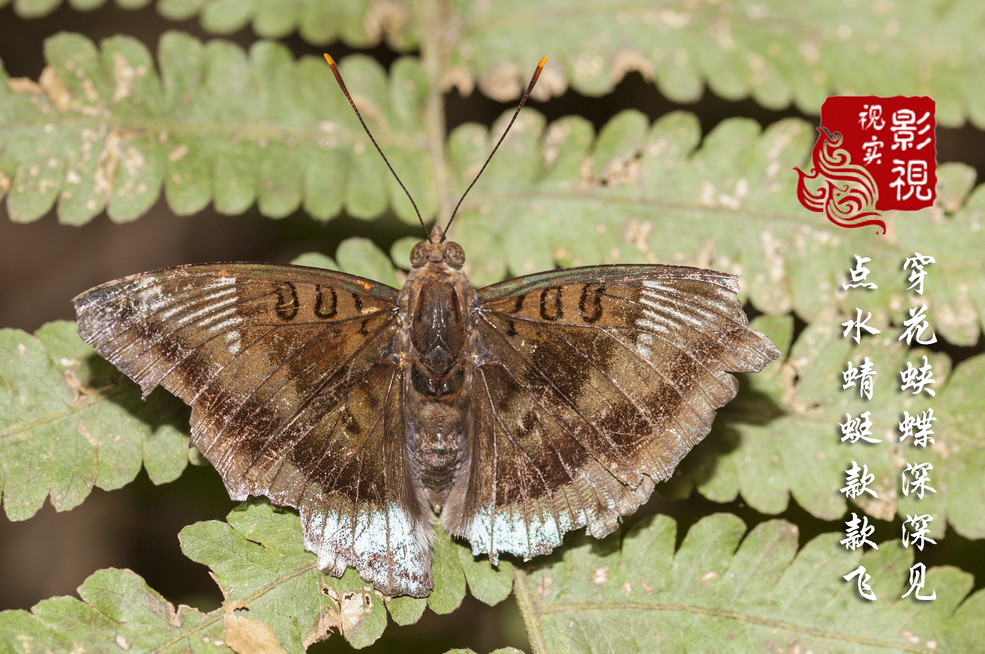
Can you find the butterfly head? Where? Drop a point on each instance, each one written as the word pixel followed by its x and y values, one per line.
pixel 448 252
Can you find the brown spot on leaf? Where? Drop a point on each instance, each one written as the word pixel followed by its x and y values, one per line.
pixel 24 85
pixel 55 89
pixel 124 74
pixel 88 436
pixel 353 608
pixel 385 18
pixel 346 613
pixel 627 61
pixel 248 636
pixel 711 575
pixel 882 507
pixel 637 234
pixel 504 82
pixel 178 153
pixel 586 175
pixel 326 622
pixel 458 77
pixel 104 176
pixel 624 171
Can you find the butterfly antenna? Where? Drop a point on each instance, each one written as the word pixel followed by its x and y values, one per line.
pixel 523 100
pixel 338 78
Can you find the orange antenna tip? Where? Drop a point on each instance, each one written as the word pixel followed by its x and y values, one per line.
pixel 536 76
pixel 338 77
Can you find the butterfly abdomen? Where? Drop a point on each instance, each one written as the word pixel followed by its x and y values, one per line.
pixel 437 447
pixel 438 333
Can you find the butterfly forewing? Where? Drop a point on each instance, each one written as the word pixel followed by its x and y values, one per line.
pixel 296 394
pixel 582 389
pixel 590 385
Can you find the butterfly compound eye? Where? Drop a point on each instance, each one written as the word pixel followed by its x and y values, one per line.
pixel 419 255
pixel 454 255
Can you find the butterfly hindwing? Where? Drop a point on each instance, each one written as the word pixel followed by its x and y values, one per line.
pixel 584 388
pixel 296 394
pixel 589 386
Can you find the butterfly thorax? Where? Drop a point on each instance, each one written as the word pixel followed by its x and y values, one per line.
pixel 435 305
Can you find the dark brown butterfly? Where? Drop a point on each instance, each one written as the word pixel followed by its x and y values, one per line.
pixel 517 412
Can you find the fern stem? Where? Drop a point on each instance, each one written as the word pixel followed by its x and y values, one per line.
pixel 528 610
pixel 432 13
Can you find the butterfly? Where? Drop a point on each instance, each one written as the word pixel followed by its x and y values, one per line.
pixel 516 412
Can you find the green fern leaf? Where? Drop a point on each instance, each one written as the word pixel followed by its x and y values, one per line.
pixel 218 124
pixel 778 440
pixel 726 200
pixel 117 612
pixel 68 422
pixel 645 192
pixel 360 24
pixel 741 592
pixel 258 561
pixel 775 52
pixel 725 590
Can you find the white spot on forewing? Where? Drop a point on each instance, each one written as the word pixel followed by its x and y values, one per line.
pixel 234 341
pixel 233 336
pixel 148 293
pixel 653 326
pixel 644 340
pixel 227 324
pixel 213 321
pixel 660 310
pixel 214 302
pixel 660 318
